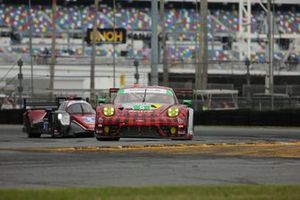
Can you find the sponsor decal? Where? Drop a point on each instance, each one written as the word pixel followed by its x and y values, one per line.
pixel 105 35
pixel 88 119
pixel 141 107
pixel 156 105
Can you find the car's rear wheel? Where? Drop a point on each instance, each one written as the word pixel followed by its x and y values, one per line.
pixel 30 132
pixel 108 139
pixel 34 135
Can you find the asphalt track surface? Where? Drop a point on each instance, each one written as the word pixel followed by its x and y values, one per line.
pixel 22 168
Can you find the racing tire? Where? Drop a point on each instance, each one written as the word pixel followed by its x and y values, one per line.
pixel 34 135
pixel 30 133
pixel 107 139
pixel 56 136
pixel 187 137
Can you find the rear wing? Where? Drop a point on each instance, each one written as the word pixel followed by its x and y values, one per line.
pixel 31 103
pixel 46 103
pixel 183 93
pixel 107 95
pixel 216 99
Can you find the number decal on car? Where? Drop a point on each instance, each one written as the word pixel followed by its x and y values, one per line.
pixel 141 107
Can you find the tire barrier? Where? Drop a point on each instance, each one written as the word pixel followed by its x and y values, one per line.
pixel 222 117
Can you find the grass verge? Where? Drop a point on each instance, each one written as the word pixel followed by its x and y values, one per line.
pixel 232 192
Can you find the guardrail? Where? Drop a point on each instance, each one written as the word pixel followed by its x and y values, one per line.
pixel 239 117
pixel 14 116
pixel 248 117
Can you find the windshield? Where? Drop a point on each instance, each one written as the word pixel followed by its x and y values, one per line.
pixel 63 106
pixel 80 108
pixel 87 108
pixel 161 96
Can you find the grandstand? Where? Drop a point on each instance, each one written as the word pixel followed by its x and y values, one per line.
pixel 182 23
pixel 226 44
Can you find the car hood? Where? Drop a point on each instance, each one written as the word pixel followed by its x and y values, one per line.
pixel 86 120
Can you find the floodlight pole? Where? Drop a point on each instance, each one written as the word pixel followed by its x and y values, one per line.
pixel 20 77
pixel 30 47
pixel 164 44
pixel 92 75
pixel 154 45
pixel 201 69
pixel 136 75
pixel 248 63
pixel 53 53
pixel 270 72
pixel 114 45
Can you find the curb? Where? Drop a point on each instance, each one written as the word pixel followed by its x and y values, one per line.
pixel 258 149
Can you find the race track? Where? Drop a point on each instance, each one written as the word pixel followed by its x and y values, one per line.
pixel 21 167
pixel 11 136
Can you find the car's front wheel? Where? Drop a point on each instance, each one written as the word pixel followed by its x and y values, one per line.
pixel 189 137
pixel 108 139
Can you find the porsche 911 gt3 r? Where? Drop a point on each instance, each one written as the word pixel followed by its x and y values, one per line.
pixel 144 112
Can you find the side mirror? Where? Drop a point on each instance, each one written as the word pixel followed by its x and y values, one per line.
pixel 187 102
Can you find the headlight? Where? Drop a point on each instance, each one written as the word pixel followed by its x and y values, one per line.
pixel 173 112
pixel 108 111
pixel 64 118
pixel 100 120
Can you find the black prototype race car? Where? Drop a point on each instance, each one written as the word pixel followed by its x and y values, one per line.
pixel 73 117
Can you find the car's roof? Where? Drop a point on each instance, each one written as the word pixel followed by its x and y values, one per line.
pixel 150 87
pixel 71 102
pixel 76 101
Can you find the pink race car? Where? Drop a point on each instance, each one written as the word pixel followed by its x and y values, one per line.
pixel 144 112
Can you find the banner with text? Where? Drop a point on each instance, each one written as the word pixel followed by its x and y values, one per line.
pixel 107 36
